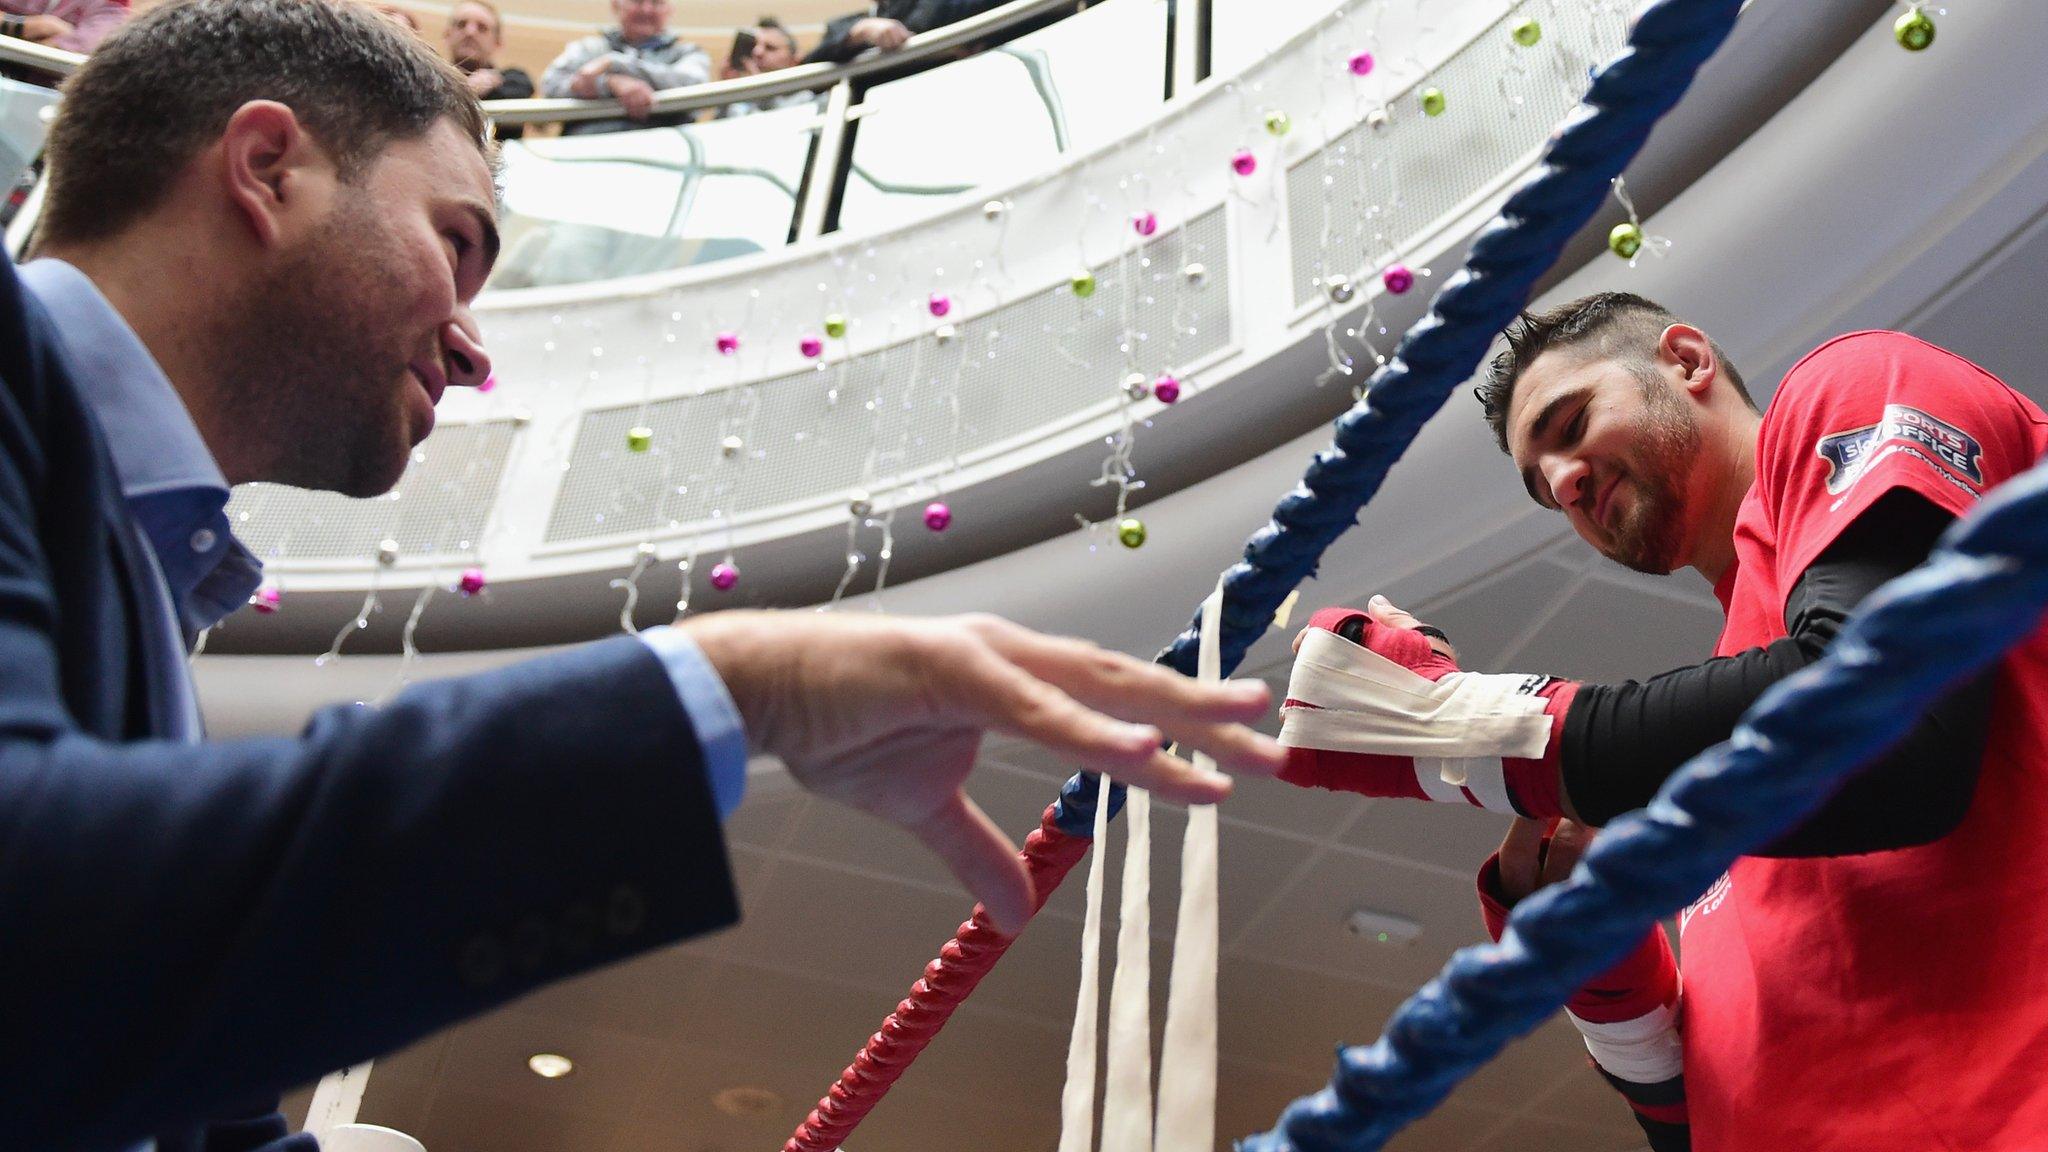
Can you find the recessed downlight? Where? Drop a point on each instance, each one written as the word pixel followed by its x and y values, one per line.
pixel 550 1065
pixel 746 1100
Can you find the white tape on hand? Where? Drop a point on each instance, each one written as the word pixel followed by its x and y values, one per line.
pixel 1127 1076
pixel 1363 702
pixel 1187 1057
pixel 1077 1099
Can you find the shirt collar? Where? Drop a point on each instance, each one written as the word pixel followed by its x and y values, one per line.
pixel 660 40
pixel 172 485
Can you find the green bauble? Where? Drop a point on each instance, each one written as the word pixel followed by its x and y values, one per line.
pixel 1527 32
pixel 639 438
pixel 1278 122
pixel 1130 532
pixel 1432 101
pixel 1083 283
pixel 1625 240
pixel 835 326
pixel 1914 31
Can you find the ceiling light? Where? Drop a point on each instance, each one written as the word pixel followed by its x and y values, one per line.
pixel 1383 927
pixel 746 1100
pixel 550 1066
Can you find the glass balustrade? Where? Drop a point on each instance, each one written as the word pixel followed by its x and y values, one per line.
pixel 998 116
pixel 21 129
pixel 581 209
pixel 585 208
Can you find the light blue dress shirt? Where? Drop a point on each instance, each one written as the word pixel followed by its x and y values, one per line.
pixel 178 498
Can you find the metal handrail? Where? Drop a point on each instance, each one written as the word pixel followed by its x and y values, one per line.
pixel 826 170
pixel 925 46
pixel 38 56
pixel 921 48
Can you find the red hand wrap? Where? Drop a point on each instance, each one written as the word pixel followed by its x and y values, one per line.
pixel 1533 785
pixel 1645 979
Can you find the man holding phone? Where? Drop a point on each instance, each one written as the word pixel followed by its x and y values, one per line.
pixel 766 47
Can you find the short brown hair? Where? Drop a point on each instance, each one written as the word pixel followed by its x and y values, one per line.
pixel 497 17
pixel 1626 326
pixel 161 88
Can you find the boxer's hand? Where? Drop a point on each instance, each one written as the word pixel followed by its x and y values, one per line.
pixel 1390 632
pixel 1377 704
pixel 886 715
pixel 1627 1014
pixel 1538 853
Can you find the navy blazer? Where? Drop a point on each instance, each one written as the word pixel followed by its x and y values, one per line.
pixel 187 928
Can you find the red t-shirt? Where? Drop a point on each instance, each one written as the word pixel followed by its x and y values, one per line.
pixel 1894 1000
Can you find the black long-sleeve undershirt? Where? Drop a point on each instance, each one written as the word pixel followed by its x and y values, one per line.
pixel 1622 741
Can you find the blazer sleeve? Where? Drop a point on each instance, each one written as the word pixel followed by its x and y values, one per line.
pixel 185 928
pixel 834 47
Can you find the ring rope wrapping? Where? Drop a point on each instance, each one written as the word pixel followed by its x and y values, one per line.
pixel 1668 42
pixel 1049 853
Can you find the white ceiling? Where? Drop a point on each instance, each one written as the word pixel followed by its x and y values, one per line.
pixel 843 912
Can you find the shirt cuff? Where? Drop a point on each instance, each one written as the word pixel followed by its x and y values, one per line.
pixel 720 731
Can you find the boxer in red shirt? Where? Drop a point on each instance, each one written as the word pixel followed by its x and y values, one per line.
pixel 1878 979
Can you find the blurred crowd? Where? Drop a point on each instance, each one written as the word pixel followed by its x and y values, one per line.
pixel 630 60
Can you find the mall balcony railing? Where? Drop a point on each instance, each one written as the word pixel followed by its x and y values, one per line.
pixel 583 208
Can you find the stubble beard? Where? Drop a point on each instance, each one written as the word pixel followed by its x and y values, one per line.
pixel 1649 535
pixel 313 363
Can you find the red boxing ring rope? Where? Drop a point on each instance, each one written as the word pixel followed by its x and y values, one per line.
pixel 1049 854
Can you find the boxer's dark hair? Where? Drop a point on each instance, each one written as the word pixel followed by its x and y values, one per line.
pixel 1626 326
pixel 164 86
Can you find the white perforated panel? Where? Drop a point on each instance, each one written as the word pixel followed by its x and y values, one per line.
pixel 439 506
pixel 1023 367
pixel 1351 203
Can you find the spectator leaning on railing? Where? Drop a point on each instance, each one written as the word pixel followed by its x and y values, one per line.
pixel 73 25
pixel 774 49
pixel 628 63
pixel 886 24
pixel 475 33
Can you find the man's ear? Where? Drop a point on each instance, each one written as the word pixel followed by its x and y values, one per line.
pixel 1688 350
pixel 271 169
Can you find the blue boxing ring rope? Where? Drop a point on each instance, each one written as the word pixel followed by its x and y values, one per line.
pixel 1982 590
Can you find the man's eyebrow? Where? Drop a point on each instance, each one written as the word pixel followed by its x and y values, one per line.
pixel 1557 404
pixel 487 221
pixel 1541 425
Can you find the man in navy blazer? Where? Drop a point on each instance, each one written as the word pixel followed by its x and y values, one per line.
pixel 264 226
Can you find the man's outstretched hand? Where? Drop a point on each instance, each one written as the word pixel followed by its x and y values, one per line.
pixel 887 715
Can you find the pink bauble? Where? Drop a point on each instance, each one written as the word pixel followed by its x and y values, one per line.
pixel 266 599
pixel 811 346
pixel 1166 389
pixel 728 343
pixel 490 382
pixel 940 303
pixel 470 582
pixel 1145 223
pixel 724 576
pixel 1397 278
pixel 937 516
pixel 1243 162
pixel 1361 64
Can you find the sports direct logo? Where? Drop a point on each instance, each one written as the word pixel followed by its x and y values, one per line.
pixel 1709 901
pixel 1851 454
